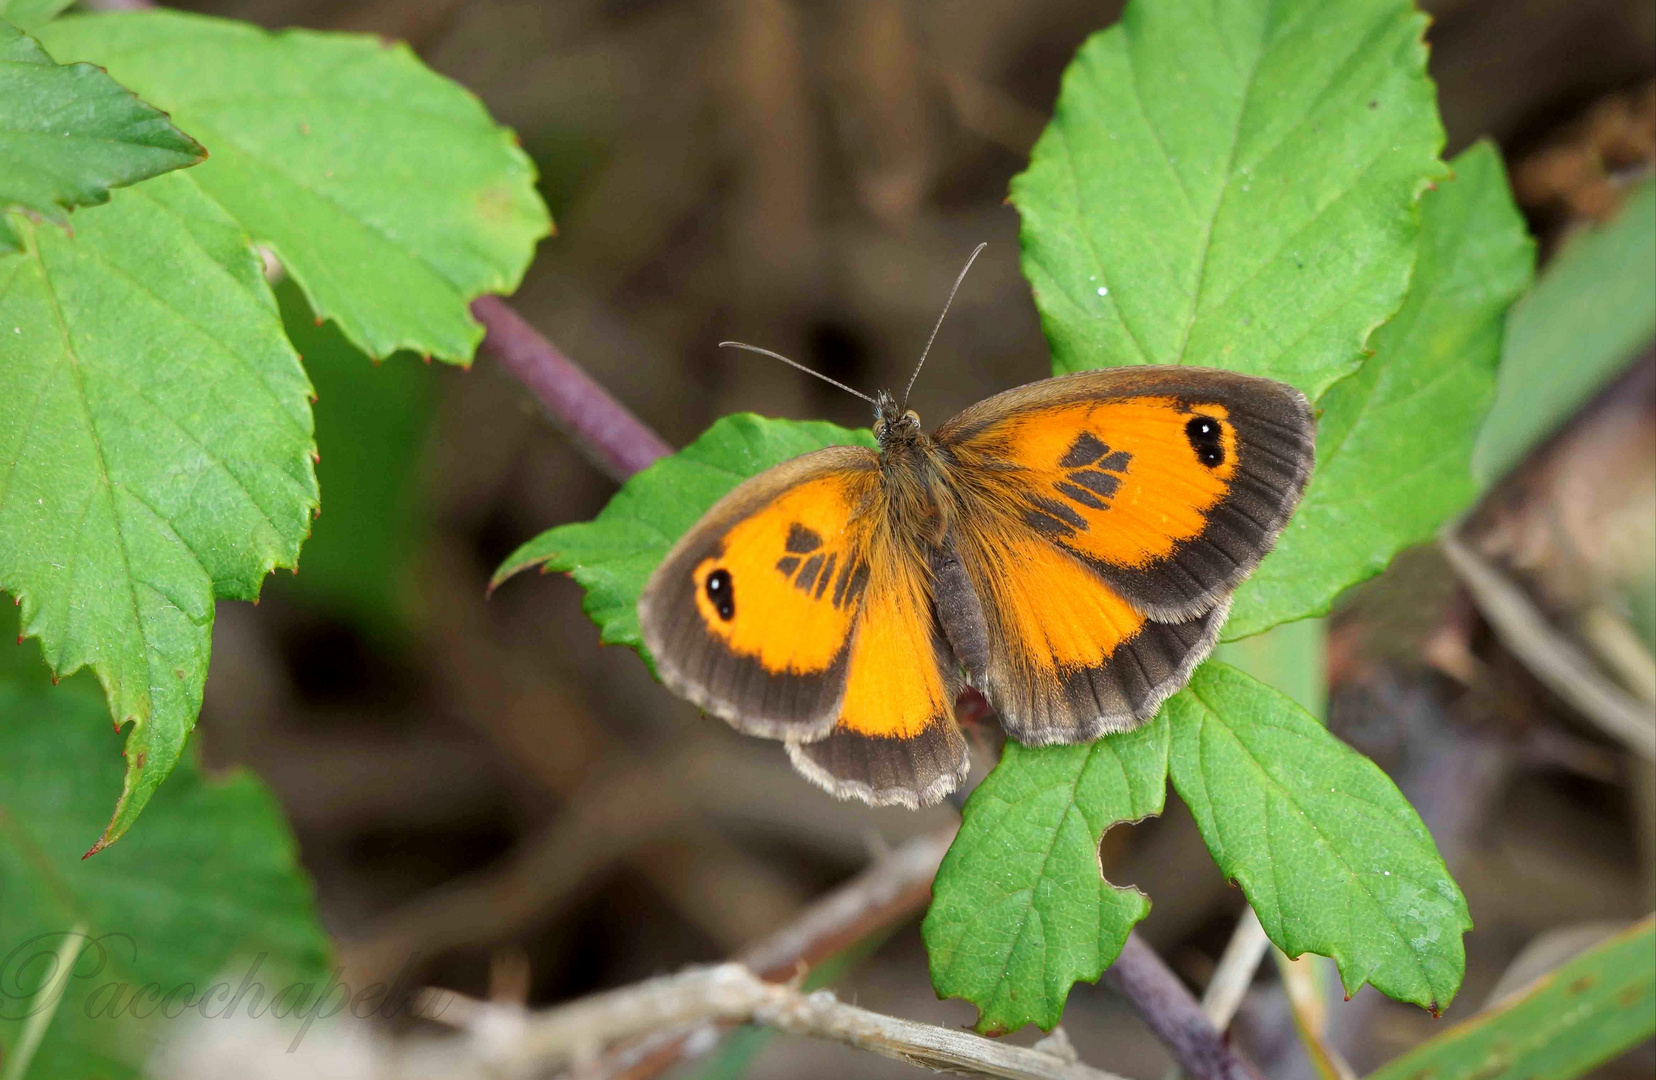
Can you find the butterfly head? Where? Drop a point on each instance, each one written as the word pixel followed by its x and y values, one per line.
pixel 894 425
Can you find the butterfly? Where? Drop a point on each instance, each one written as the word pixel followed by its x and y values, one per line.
pixel 1068 548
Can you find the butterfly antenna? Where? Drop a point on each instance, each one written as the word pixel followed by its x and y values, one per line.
pixel 797 364
pixel 970 260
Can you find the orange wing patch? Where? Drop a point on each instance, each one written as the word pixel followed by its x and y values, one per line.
pixel 1052 611
pixel 895 688
pixel 785 584
pixel 1122 482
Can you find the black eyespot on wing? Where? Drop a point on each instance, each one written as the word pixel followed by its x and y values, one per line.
pixel 1085 450
pixel 802 541
pixel 1204 433
pixel 721 592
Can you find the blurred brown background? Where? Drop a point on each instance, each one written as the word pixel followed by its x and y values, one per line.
pixel 477 784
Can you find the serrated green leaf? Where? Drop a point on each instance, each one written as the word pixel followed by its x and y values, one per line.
pixel 1591 1009
pixel 384 188
pixel 613 554
pixel 1394 441
pixel 69 133
pixel 1588 315
pixel 1019 911
pixel 155 451
pixel 1232 185
pixel 210 883
pixel 29 14
pixel 1329 853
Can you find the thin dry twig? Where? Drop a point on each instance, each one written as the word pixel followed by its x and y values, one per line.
pixel 891 889
pixel 1554 658
pixel 520 1044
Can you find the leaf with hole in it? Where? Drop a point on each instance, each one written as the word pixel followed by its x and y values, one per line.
pixel 1589 314
pixel 384 188
pixel 1589 1010
pixel 1019 909
pixel 1394 441
pixel 69 133
pixel 1329 853
pixel 613 555
pixel 207 893
pixel 1232 185
pixel 157 445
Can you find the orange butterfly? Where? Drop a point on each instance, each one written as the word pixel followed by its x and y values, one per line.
pixel 1068 548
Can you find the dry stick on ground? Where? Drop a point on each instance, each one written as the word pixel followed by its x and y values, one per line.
pixel 893 888
pixel 520 1044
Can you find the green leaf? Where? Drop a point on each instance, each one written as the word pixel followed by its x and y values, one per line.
pixel 69 133
pixel 613 554
pixel 1588 1011
pixel 29 14
pixel 1394 442
pixel 1587 316
pixel 385 189
pixel 210 883
pixel 1019 910
pixel 155 451
pixel 1232 185
pixel 1327 850
pixel 371 422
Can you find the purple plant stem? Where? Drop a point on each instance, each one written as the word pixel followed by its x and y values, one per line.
pixel 616 440
pixel 1172 1014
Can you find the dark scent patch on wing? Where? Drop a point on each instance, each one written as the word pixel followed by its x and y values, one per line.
pixel 1102 484
pixel 852 581
pixel 827 575
pixel 1049 517
pixel 806 581
pixel 802 541
pixel 1085 450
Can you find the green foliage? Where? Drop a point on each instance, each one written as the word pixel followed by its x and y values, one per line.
pixel 613 554
pixel 69 133
pixel 371 422
pixel 1588 315
pixel 29 14
pixel 1394 440
pixel 1233 186
pixel 385 189
pixel 1588 1011
pixel 1019 911
pixel 155 424
pixel 1329 853
pixel 210 882
pixel 1239 187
